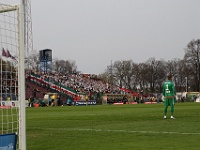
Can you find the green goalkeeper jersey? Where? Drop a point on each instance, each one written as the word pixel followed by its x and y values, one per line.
pixel 169 89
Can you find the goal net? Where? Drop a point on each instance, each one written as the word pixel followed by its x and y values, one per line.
pixel 12 82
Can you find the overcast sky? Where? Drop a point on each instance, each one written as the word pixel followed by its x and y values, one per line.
pixel 94 32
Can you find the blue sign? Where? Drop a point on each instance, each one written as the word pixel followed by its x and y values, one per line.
pixel 8 141
pixel 83 102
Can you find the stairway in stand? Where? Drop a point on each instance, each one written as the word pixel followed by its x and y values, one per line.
pixel 29 86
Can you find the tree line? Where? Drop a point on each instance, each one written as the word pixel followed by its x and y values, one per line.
pixel 149 76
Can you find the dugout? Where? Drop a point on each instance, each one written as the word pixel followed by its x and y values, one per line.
pixel 116 98
pixel 192 96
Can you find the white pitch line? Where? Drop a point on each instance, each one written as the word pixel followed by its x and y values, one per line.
pixel 126 131
pixel 131 131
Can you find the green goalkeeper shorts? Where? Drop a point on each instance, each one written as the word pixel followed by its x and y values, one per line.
pixel 169 102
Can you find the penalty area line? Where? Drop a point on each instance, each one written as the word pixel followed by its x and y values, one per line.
pixel 131 131
pixel 124 131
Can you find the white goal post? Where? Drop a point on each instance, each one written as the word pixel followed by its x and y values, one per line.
pixel 12 77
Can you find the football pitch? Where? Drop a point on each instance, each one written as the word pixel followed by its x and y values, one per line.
pixel 113 127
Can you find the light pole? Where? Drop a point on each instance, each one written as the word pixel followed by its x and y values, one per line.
pixel 186 84
pixel 111 69
pixel 152 77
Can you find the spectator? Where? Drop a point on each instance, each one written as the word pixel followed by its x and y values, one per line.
pixel 34 92
pixel 58 100
pixel 32 101
pixel 69 102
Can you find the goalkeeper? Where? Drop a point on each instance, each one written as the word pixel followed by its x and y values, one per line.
pixel 169 94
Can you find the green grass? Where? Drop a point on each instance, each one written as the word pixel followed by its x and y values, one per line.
pixel 125 127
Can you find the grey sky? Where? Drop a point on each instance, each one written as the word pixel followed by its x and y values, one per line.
pixel 94 32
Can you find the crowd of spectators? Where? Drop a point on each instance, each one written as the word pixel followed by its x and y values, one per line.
pixel 83 83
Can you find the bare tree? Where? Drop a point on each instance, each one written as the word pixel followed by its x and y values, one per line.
pixel 105 77
pixel 142 76
pixel 156 74
pixel 32 61
pixel 192 57
pixel 120 74
pixel 64 66
pixel 128 79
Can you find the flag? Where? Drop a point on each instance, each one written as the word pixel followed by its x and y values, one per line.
pixel 4 53
pixel 8 54
pixel 13 57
